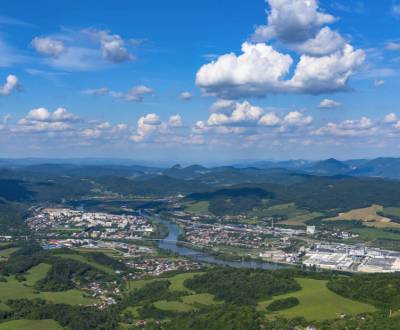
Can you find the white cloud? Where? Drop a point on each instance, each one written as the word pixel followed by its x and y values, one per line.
pixel 258 69
pixel 41 120
pixel 326 74
pixel 241 114
pixel 379 82
pixel 135 94
pixel 186 96
pixel 10 85
pixel 222 106
pixel 270 119
pixel 394 46
pixel 175 121
pixel 48 46
pixel 113 47
pixel 325 42
pixel 329 103
pixel 391 118
pixel 325 64
pixel 348 128
pixel 296 118
pixel 148 126
pixel 96 91
pixel 292 21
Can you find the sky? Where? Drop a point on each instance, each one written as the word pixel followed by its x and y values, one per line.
pixel 200 80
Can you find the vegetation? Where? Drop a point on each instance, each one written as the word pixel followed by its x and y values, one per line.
pixel 30 325
pixel 381 290
pixel 280 304
pixel 243 286
pixel 317 302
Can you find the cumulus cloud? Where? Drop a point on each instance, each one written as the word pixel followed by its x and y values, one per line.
pixel 379 82
pixel 175 121
pixel 48 46
pixel 42 120
pixel 257 70
pixel 325 42
pixel 348 128
pixel 84 50
pixel 135 94
pixel 292 21
pixel 185 96
pixel 10 85
pixel 296 118
pixel 326 74
pixel 325 65
pixel 241 114
pixel 391 118
pixel 147 126
pixel 270 119
pixel 329 103
pixel 113 47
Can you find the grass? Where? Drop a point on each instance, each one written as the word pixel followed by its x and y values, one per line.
pixel 200 298
pixel 13 289
pixel 369 217
pixel 82 259
pixel 4 254
pixel 301 219
pixel 200 207
pixel 133 311
pixel 176 282
pixel 36 273
pixel 173 306
pixel 317 303
pixel 392 211
pixel 30 325
pixel 372 234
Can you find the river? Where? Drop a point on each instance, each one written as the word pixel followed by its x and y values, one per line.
pixel 169 243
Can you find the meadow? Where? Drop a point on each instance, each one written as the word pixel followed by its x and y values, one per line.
pixel 13 289
pixel 30 325
pixel 369 216
pixel 317 303
pixel 84 260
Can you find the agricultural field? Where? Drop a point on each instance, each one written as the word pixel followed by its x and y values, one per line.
pixel 30 325
pixel 292 215
pixel 317 303
pixel 176 282
pixel 13 289
pixel 82 259
pixel 200 207
pixel 4 254
pixel 373 234
pixel 369 216
pixel 185 304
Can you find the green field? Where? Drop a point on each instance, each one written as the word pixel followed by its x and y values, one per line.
pixel 372 234
pixel 200 207
pixel 36 273
pixel 317 303
pixel 82 259
pixel 13 289
pixel 30 325
pixel 176 282
pixel 4 254
pixel 173 306
pixel 293 216
pixel 200 298
pixel 388 211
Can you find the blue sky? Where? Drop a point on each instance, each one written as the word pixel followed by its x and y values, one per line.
pixel 200 80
